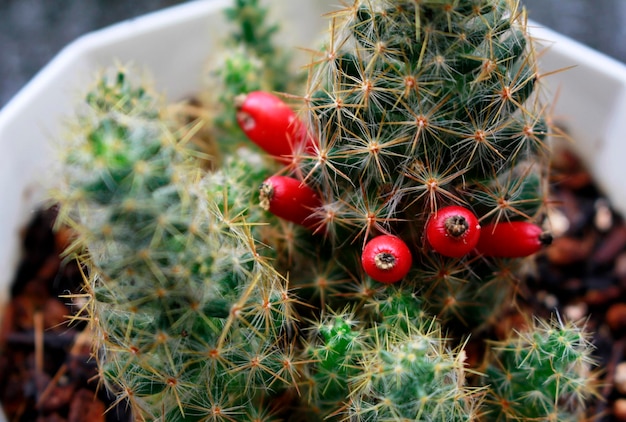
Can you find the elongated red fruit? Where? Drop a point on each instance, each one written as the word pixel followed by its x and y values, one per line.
pixel 273 125
pixel 290 199
pixel 453 231
pixel 512 239
pixel 386 258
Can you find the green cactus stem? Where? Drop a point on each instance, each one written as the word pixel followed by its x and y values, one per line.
pixel 419 105
pixel 544 373
pixel 208 307
pixel 190 318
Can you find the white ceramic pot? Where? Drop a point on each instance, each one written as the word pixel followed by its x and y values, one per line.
pixel 174 45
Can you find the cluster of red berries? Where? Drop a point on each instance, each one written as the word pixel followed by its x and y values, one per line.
pixel 273 126
pixel 453 231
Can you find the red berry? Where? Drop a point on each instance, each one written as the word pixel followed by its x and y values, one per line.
pixel 512 239
pixel 290 199
pixel 453 231
pixel 386 258
pixel 272 125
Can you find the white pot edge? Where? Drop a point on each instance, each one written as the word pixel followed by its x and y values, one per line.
pixel 158 42
pixel 594 114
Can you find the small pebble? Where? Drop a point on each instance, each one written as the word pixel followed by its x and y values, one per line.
pixel 620 378
pixel 86 407
pixel 578 180
pixel 620 265
pixel 602 295
pixel 567 250
pixel 58 397
pixel 574 210
pixel 603 218
pixel 548 300
pixel 573 286
pixel 63 238
pixel 563 159
pixel 616 318
pixel 557 222
pixel 619 409
pixel 576 311
pixel 53 417
pixel 613 244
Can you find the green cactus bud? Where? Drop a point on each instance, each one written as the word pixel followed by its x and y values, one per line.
pixel 335 350
pixel 412 376
pixel 544 373
pixel 396 370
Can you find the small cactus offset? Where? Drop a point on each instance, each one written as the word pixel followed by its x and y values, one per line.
pixel 338 268
pixel 190 319
pixel 401 368
pixel 554 355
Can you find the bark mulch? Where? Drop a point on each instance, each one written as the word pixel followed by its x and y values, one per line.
pixel 47 372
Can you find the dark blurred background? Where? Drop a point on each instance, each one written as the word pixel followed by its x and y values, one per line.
pixel 33 31
pixel 601 24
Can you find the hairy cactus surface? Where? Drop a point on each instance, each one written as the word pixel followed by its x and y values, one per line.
pixel 555 356
pixel 400 368
pixel 190 318
pixel 213 303
pixel 420 105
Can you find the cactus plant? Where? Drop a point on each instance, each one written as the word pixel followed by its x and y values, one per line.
pixel 555 355
pixel 208 307
pixel 423 105
pixel 175 275
pixel 401 372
